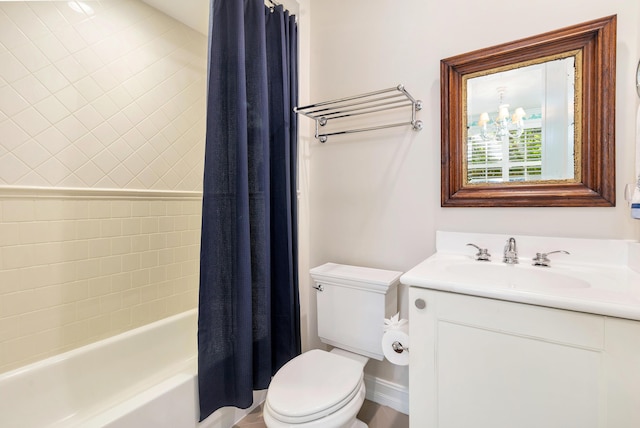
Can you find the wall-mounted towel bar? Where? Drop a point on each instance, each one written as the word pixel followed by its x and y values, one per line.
pixel 372 102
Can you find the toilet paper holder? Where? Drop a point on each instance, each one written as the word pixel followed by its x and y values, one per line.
pixel 393 323
pixel 398 348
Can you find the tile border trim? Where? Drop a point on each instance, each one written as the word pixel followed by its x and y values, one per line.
pixel 72 193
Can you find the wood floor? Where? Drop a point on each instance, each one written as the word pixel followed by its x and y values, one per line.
pixel 374 415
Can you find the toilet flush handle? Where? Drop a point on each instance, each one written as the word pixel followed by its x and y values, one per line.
pixel 318 287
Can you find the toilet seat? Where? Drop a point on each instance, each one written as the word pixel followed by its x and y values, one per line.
pixel 313 385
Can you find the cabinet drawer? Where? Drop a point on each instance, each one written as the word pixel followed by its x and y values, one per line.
pixel 566 327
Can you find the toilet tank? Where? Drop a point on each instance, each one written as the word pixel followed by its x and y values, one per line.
pixel 352 303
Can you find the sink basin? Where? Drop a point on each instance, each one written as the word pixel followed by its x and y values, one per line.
pixel 520 277
pixel 599 276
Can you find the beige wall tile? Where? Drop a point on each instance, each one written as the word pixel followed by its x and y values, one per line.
pixel 131 298
pixel 9 328
pixel 99 326
pixel 87 308
pixel 62 230
pixel 32 232
pixel 158 274
pixel 99 286
pixel 111 227
pixel 110 303
pixel 99 209
pixel 174 239
pixel 48 297
pixel 130 226
pixel 49 209
pixel 157 208
pixel 99 247
pixel 10 281
pixel 75 291
pixel 149 259
pixel 63 273
pixel 121 319
pixel 140 278
pixel 18 210
pixel 9 234
pixel 78 285
pixel 86 229
pixel 157 241
pixel 34 322
pixel 149 225
pixel 17 256
pixel 121 282
pixel 166 224
pixel 110 265
pixel 120 209
pixel 140 243
pixel 140 209
pixel 37 276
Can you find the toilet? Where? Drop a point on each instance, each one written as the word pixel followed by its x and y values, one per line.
pixel 321 389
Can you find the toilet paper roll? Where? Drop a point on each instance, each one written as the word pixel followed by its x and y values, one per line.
pixel 401 336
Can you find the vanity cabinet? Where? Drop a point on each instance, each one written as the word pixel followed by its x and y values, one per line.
pixel 484 363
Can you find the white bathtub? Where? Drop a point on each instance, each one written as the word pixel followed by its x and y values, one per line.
pixel 145 377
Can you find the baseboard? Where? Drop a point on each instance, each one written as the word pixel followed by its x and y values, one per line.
pixel 387 393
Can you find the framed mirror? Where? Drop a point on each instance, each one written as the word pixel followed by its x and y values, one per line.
pixel 531 122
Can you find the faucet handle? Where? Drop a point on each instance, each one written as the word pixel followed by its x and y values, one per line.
pixel 482 254
pixel 542 259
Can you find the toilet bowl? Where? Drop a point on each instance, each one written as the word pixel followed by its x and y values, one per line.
pixel 317 389
pixel 320 389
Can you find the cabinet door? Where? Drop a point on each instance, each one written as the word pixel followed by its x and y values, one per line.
pixel 623 373
pixel 485 363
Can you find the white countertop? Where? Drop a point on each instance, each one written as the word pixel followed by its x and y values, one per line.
pixel 607 285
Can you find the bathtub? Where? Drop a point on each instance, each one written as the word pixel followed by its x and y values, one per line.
pixel 145 377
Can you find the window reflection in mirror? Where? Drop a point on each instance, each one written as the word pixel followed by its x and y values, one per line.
pixel 521 123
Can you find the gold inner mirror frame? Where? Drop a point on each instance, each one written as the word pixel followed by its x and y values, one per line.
pixel 577 107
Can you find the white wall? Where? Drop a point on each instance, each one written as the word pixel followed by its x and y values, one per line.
pixel 374 199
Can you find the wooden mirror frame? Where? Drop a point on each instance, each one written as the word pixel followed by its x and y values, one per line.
pixel 596 42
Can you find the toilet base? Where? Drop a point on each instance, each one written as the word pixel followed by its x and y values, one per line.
pixel 359 424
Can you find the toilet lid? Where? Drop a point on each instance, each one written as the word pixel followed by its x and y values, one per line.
pixel 313 385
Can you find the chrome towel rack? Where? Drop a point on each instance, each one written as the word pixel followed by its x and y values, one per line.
pixel 372 102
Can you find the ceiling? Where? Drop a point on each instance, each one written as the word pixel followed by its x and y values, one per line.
pixel 194 13
pixel 527 87
pixel 521 87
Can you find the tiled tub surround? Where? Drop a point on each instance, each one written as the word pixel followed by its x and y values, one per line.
pixel 102 119
pixel 74 270
pixel 100 94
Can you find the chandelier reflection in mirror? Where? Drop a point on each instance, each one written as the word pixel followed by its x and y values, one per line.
pixel 505 124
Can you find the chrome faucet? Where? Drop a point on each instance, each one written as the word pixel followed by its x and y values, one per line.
pixel 542 259
pixel 482 254
pixel 510 252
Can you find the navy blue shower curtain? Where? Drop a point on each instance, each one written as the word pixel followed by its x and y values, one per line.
pixel 248 323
